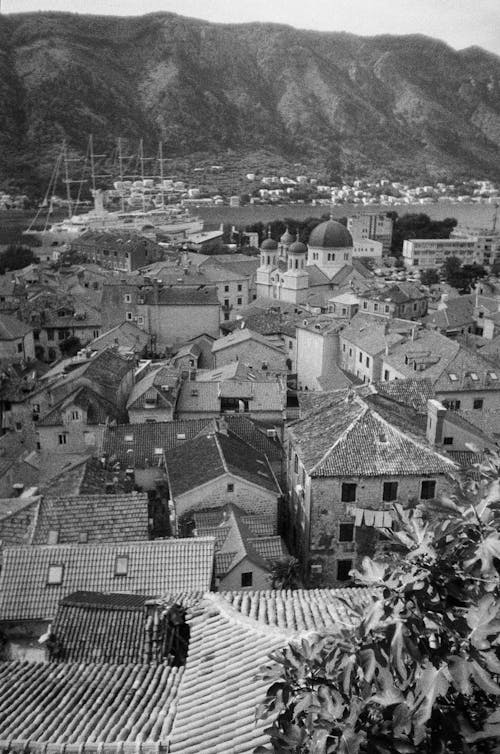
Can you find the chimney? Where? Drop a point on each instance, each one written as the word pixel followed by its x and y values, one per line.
pixel 435 420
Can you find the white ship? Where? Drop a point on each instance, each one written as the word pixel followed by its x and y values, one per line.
pixel 143 209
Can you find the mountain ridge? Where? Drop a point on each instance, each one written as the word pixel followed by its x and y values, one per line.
pixel 347 105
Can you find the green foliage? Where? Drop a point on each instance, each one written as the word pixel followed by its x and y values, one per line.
pixel 284 573
pixel 462 277
pixel 417 669
pixel 70 346
pixel 15 258
pixel 429 277
pixel 418 226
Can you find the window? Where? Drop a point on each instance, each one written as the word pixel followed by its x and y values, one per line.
pixel 140 320
pixel 240 287
pixel 348 492
pixel 365 304
pixel 129 316
pixel 343 347
pixel 239 301
pixel 55 575
pixel 246 578
pixel 226 302
pixel 63 438
pixel 296 463
pixel 386 375
pixel 367 361
pixel 83 537
pixel 75 415
pixel 478 403
pixel 346 532
pixel 226 289
pixel 230 487
pixel 19 347
pixel 390 492
pixel 360 357
pixel 375 307
pixel 343 568
pixel 350 352
pixel 19 426
pixel 428 489
pixel 290 345
pixel 447 440
pixel 53 537
pixel 121 565
pixel 386 308
pixel 95 333
pixel 50 334
pixel 127 298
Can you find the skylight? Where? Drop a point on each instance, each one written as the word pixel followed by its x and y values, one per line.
pixel 129 438
pixel 121 565
pixel 55 574
pixel 181 436
pixel 158 451
pixel 474 376
pixel 453 377
pixel 493 375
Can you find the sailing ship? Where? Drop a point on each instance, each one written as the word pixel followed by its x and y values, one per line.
pixel 143 208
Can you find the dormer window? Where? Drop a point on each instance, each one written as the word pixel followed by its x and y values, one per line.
pixel 474 376
pixel 453 377
pixel 121 565
pixel 53 537
pixel 129 438
pixel 55 575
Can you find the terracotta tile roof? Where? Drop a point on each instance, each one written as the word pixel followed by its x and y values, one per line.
pixel 371 335
pixel 12 328
pixel 455 313
pixel 97 408
pixel 265 395
pixel 269 548
pixel 182 295
pixel 118 628
pixel 125 335
pixel 18 516
pixel 472 371
pixel 98 518
pixel 152 568
pixel 82 476
pixel 265 322
pixel 220 690
pixel 434 350
pixel 410 392
pixel 243 335
pixel 298 609
pixel 210 456
pixel 99 706
pixel 160 386
pixel 213 518
pixel 346 437
pixel 133 445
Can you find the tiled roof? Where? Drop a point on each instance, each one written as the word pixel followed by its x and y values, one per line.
pixel 86 706
pixel 210 456
pixel 487 421
pixel 124 335
pixel 160 385
pixel 18 517
pixel 371 335
pixel 212 518
pixel 345 437
pixel 298 609
pixel 269 548
pixel 412 392
pixel 12 328
pixel 99 518
pixel 249 432
pixel 456 312
pixel 433 350
pixel 97 408
pixel 268 395
pixel 152 568
pixel 242 336
pixel 265 322
pixel 464 364
pixel 397 293
pixel 118 628
pixel 83 476
pixel 180 295
pixel 228 646
pixel 133 445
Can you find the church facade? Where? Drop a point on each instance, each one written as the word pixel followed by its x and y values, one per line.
pixel 293 272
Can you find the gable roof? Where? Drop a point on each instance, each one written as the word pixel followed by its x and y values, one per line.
pixel 346 437
pixel 244 335
pixel 160 385
pixel 455 313
pixel 82 476
pixel 134 445
pixel 18 517
pixel 126 335
pixel 97 408
pixel 154 568
pixel 12 328
pixel 213 455
pixel 100 518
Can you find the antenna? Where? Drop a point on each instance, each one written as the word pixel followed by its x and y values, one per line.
pixel 495 217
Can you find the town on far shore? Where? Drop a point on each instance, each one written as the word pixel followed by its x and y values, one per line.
pixel 205 430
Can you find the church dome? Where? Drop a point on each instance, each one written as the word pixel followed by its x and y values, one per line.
pixel 287 238
pixel 269 244
pixel 297 248
pixel 330 235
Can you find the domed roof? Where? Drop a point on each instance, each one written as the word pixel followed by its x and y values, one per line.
pixel 330 235
pixel 287 238
pixel 269 244
pixel 297 248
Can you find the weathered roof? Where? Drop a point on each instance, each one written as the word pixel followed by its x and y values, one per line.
pixel 160 386
pixel 12 328
pixel 432 350
pixel 412 392
pixel 125 335
pixel 100 706
pixel 228 646
pixel 346 437
pixel 265 395
pixel 98 409
pixel 97 518
pixel 182 295
pixel 371 335
pixel 118 628
pixel 83 476
pixel 134 445
pixel 471 370
pixel 242 336
pixel 455 313
pixel 153 568
pixel 210 456
pixel 18 516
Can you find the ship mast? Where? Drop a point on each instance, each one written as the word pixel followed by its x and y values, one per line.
pixel 66 178
pixel 161 175
pixel 120 170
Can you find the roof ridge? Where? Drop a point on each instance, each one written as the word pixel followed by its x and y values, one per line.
pixel 343 434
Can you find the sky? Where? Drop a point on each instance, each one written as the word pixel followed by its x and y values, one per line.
pixel 460 23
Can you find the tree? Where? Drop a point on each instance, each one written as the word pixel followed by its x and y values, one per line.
pixel 418 669
pixel 15 258
pixel 284 573
pixel 70 346
pixel 418 225
pixel 462 277
pixel 429 277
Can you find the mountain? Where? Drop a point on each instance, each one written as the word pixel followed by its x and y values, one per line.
pixel 348 105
